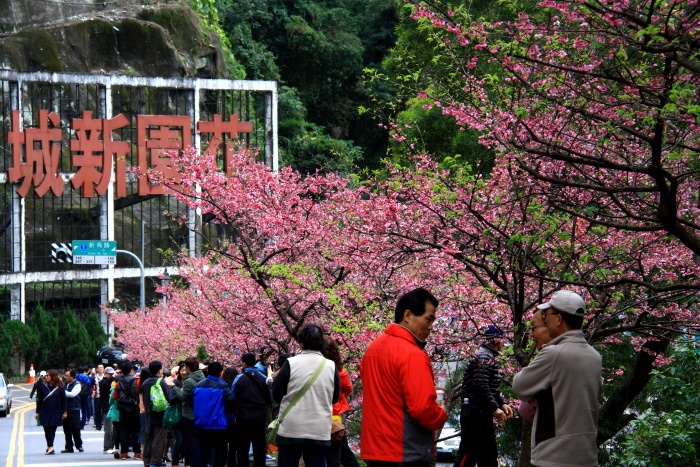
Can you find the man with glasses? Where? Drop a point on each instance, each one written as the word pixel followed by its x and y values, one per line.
pixel 482 402
pixel 539 334
pixel 565 379
pixel 400 410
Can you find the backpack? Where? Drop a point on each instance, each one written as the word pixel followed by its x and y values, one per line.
pixel 126 402
pixel 158 401
pixel 84 389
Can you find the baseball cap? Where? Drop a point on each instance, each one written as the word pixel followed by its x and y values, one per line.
pixel 109 370
pixel 565 301
pixel 493 332
pixel 42 373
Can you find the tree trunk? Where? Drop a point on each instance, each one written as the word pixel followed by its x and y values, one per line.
pixel 612 416
pixel 524 460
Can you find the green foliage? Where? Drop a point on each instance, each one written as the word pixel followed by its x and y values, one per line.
pixel 423 61
pixel 74 343
pixel 430 131
pixel 244 23
pixel 318 48
pixel 5 349
pixel 313 150
pixel 202 354
pixel 208 13
pixel 17 338
pixel 668 430
pixel 305 146
pixel 46 327
pixel 96 332
pixel 659 440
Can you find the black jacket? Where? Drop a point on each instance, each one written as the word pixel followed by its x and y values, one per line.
pixel 482 380
pixel 105 385
pixel 154 418
pixel 252 395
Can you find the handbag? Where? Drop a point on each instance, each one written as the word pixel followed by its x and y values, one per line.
pixel 337 429
pixel 274 426
pixel 172 416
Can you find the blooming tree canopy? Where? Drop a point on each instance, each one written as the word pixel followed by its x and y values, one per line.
pixel 596 99
pixel 286 258
pixel 591 108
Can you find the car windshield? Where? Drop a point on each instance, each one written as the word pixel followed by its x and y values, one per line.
pixel 2 381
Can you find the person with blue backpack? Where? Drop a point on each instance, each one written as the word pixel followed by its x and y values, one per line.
pixel 211 399
pixel 85 395
pixel 155 393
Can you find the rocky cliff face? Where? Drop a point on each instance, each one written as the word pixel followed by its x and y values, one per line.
pixel 164 40
pixel 21 14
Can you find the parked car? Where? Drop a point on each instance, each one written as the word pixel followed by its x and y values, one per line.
pixel 5 396
pixel 110 356
pixel 447 448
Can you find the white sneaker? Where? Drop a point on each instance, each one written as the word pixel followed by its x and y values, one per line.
pixel 108 451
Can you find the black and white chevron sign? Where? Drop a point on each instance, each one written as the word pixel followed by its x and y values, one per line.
pixel 61 253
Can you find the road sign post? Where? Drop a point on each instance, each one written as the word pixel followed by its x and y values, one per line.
pixel 105 252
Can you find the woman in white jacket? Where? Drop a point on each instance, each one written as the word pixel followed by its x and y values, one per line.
pixel 305 422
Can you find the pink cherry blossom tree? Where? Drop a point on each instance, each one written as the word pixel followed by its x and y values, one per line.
pixel 596 95
pixel 595 187
pixel 514 249
pixel 595 102
pixel 303 249
pixel 286 259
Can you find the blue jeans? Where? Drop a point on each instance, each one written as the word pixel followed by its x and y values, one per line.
pixel 190 448
pixel 177 445
pixel 84 411
pixel 314 455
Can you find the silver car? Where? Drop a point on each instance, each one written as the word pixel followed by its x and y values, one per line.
pixel 448 444
pixel 5 396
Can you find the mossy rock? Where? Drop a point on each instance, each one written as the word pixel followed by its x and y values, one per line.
pixel 89 46
pixel 147 47
pixel 31 50
pixel 167 41
pixel 182 24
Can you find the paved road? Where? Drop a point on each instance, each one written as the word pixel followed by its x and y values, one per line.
pixel 22 443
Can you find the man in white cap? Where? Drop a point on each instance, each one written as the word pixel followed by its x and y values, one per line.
pixel 564 380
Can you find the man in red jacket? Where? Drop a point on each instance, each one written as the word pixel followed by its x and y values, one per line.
pixel 400 411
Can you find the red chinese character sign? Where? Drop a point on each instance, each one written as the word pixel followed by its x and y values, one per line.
pixel 36 152
pixel 95 148
pixel 42 151
pixel 158 134
pixel 219 129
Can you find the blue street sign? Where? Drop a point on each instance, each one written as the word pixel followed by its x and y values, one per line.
pixel 94 252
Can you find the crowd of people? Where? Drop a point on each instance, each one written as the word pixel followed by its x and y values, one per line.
pixel 203 415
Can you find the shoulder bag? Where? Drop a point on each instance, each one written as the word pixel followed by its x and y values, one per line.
pixel 274 426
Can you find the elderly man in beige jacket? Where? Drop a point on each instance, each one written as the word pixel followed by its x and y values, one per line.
pixel 564 379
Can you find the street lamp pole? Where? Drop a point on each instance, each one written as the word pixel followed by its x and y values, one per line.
pixel 143 278
pixel 164 281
